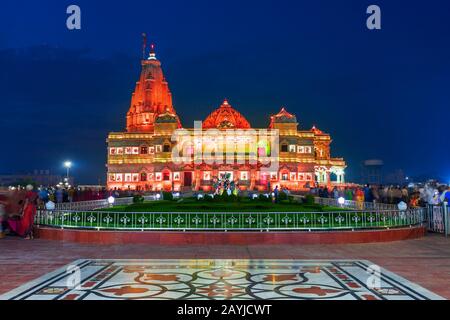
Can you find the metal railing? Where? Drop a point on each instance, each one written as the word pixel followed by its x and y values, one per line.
pixel 438 218
pixel 350 204
pixel 229 221
pixel 97 204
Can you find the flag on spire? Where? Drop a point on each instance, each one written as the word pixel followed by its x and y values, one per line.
pixel 144 44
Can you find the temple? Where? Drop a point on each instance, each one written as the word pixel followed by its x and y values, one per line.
pixel 142 157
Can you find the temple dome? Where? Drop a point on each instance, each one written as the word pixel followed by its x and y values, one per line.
pixel 226 117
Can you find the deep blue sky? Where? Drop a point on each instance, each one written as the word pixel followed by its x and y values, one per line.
pixel 380 94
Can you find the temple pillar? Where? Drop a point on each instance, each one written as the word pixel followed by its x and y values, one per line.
pixel 197 180
pixel 252 179
pixel 328 178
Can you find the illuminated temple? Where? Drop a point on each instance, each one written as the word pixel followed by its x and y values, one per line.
pixel 142 156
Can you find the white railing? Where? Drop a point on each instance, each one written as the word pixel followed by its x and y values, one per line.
pixel 229 221
pixel 98 204
pixel 356 205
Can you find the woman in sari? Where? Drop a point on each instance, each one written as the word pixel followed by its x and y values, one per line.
pixel 359 199
pixel 22 225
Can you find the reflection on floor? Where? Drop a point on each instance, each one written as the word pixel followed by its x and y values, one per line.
pixel 220 279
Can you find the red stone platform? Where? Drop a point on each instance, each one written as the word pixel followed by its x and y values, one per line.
pixel 225 238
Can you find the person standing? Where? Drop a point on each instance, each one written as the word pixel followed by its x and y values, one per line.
pixel 335 193
pixel 376 194
pixel 23 226
pixel 405 194
pixel 275 192
pixel 368 193
pixel 59 195
pixel 43 197
pixel 444 195
pixel 359 198
pixel 70 194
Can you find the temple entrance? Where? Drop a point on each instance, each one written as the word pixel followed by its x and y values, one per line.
pixel 187 179
pixel 223 174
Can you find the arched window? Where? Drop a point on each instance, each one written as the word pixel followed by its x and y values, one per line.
pixel 166 147
pixel 284 147
pixel 143 176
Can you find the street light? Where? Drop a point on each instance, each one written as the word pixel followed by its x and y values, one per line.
pixel 67 165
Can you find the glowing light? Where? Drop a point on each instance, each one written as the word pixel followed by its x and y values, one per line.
pixel 111 200
pixel 158 196
pixel 50 205
pixel 402 206
pixel 341 201
pixel 68 164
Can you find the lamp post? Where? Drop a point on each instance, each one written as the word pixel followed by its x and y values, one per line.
pixel 67 165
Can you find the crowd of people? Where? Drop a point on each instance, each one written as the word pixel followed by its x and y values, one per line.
pixel 18 207
pixel 413 196
pixel 225 184
pixel 60 195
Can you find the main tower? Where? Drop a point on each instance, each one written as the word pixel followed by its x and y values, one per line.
pixel 151 96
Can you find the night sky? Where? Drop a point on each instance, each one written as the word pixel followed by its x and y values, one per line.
pixel 380 94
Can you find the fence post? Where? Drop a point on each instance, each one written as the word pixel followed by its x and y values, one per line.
pixel 446 218
pixel 429 216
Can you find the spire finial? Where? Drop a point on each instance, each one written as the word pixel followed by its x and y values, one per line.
pixel 152 55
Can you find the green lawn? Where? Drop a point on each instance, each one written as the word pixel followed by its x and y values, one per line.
pixel 245 205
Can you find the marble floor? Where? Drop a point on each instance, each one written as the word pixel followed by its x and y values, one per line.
pixel 200 279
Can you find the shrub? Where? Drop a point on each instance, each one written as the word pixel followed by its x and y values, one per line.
pixel 309 199
pixel 282 196
pixel 167 196
pixel 138 198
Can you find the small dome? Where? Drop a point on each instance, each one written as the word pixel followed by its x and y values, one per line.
pixel 282 117
pixel 167 117
pixel 225 117
pixel 316 130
